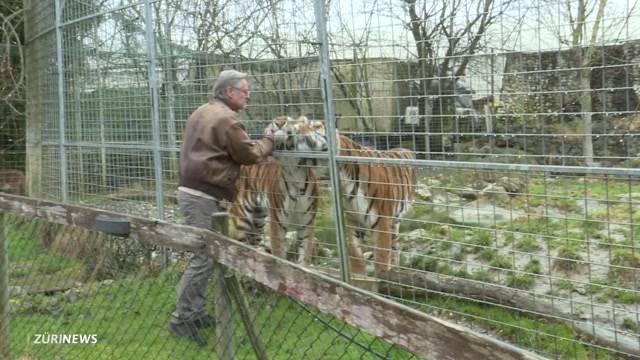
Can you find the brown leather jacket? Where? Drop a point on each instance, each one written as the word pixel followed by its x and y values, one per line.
pixel 214 146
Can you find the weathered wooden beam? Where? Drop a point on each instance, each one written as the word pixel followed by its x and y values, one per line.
pixel 179 237
pixel 220 221
pixel 417 332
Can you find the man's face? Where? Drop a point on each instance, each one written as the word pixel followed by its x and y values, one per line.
pixel 238 95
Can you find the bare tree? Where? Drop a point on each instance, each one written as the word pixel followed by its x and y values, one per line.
pixel 222 28
pixel 586 26
pixel 12 90
pixel 444 46
pixel 355 85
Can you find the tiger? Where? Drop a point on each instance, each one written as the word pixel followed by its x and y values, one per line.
pixel 377 197
pixel 286 190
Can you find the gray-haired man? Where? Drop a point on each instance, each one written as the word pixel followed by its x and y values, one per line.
pixel 214 146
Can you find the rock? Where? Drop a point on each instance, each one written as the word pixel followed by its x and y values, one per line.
pixel 468 193
pixel 16 291
pixel 417 235
pixel 446 198
pixel 496 193
pixel 634 196
pixel 483 212
pixel 324 252
pixel 423 192
pixel 444 230
pixel 512 185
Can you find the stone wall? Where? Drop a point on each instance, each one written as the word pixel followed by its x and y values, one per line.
pixel 547 83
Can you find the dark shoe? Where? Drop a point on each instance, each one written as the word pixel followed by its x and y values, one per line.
pixel 188 331
pixel 205 321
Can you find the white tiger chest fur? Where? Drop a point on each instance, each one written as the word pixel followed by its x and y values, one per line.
pixel 358 203
pixel 359 207
pixel 297 191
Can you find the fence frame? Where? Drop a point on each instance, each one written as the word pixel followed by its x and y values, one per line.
pixel 156 147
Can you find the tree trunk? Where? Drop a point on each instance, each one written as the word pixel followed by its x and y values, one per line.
pixel 586 109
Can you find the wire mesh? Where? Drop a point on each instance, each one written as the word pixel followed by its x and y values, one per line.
pixel 81 294
pixel 522 221
pixel 12 105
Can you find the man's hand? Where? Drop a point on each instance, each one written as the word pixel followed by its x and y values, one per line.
pixel 268 133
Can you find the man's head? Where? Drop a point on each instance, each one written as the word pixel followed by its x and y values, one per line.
pixel 232 87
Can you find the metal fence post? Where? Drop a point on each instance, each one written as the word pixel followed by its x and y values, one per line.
pixel 327 93
pixel 4 289
pixel 61 113
pixel 155 114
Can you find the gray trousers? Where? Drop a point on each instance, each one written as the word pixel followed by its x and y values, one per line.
pixel 192 290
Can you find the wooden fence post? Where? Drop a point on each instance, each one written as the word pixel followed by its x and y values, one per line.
pixel 223 309
pixel 228 287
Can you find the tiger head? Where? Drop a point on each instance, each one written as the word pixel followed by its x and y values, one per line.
pixel 300 134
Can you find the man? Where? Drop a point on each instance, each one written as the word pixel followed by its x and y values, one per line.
pixel 214 146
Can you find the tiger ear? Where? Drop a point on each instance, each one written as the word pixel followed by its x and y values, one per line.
pixel 302 118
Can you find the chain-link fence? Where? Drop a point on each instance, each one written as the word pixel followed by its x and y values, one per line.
pixel 515 210
pixel 80 293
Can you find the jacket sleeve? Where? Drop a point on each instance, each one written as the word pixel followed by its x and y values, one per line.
pixel 245 151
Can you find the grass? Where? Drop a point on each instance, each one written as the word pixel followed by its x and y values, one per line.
pixel 416 216
pixel 520 281
pixel 568 259
pixel 566 236
pixel 627 266
pixel 550 338
pixel 501 262
pixel 483 276
pixel 487 254
pixel 533 267
pixel 424 263
pixel 480 240
pixel 128 316
pixel 630 324
pixel 527 244
pixel 563 284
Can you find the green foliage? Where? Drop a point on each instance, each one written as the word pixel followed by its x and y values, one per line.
pixel 533 267
pixel 501 262
pixel 487 254
pixel 483 276
pixel 520 281
pixel 564 284
pixel 426 217
pixel 527 244
pixel 630 324
pixel 526 225
pixel 509 238
pixel 424 263
pixel 596 286
pixel 568 259
pixel 285 328
pixel 525 331
pixel 459 255
pixel 626 296
pixel 30 258
pixel 480 240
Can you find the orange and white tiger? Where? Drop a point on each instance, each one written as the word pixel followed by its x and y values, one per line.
pixel 286 191
pixel 377 196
